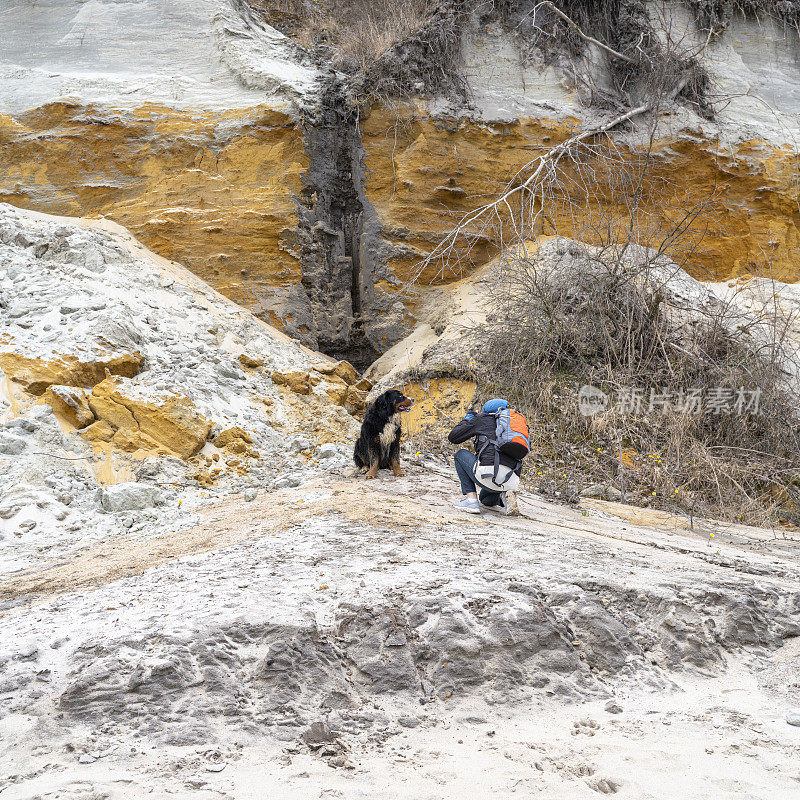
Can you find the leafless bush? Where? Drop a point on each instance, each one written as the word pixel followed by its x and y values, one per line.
pixel 627 321
pixel 612 50
pixel 714 16
pixel 620 314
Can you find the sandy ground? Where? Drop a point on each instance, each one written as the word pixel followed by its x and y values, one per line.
pixel 294 632
pixel 355 639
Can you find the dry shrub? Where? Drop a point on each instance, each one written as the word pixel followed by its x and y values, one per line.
pixel 389 50
pixel 627 318
pixel 714 16
pixel 655 50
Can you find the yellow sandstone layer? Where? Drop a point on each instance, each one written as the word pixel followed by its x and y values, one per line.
pixel 35 375
pixel 168 425
pixel 210 190
pixel 113 414
pixel 421 171
pixel 71 404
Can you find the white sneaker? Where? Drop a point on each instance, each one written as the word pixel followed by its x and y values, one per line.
pixel 469 505
pixel 507 505
pixel 510 502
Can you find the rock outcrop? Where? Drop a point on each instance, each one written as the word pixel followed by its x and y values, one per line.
pixel 36 375
pixel 70 403
pixel 141 357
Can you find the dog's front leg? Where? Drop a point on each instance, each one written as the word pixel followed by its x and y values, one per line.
pixel 397 469
pixel 373 470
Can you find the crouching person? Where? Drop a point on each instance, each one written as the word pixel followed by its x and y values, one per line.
pixel 501 441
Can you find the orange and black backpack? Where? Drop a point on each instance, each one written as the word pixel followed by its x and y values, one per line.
pixel 511 438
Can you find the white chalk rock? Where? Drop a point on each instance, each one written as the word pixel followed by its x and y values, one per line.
pixel 129 497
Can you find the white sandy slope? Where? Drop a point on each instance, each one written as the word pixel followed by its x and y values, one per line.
pixel 85 288
pixel 754 68
pixel 355 641
pixel 181 53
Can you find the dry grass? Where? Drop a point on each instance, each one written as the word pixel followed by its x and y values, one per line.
pixel 356 32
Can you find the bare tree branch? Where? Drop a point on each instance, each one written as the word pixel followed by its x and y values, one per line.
pixel 544 167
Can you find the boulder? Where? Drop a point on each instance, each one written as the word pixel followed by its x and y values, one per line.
pixel 297 381
pixel 328 450
pixel 231 435
pixel 602 491
pixel 342 369
pixel 250 362
pixel 167 423
pixel 348 396
pixel 70 403
pixel 336 389
pixel 11 445
pixel 128 497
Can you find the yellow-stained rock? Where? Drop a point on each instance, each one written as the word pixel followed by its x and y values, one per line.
pixel 230 435
pixel 234 440
pixel 439 403
pixel 100 431
pixel 131 440
pixel 336 389
pixel 35 375
pixel 342 369
pixel 356 400
pixel 417 166
pixel 70 403
pixel 363 385
pixel 250 362
pixel 298 381
pixel 210 189
pixel 170 424
pixel 236 446
pixel 349 397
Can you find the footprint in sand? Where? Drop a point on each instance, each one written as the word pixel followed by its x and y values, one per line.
pixel 587 726
pixel 604 786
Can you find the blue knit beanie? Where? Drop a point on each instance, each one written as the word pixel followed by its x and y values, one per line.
pixel 491 406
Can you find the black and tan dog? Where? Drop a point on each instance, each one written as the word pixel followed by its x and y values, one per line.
pixel 378 446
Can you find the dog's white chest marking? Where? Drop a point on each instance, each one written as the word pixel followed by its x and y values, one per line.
pixel 386 436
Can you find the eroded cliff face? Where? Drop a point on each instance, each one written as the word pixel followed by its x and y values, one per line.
pixel 423 170
pixel 211 189
pixel 252 173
